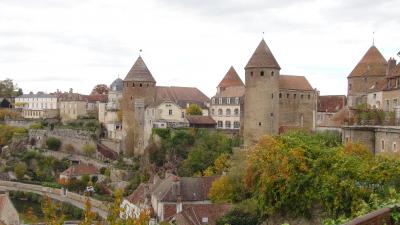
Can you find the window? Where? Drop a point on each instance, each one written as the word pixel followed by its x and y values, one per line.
pixel 236 112
pixel 212 111
pixel 237 101
pixel 272 96
pixel 147 85
pixel 140 85
pixel 394 147
pixel 133 84
pixel 236 124
pixel 349 86
pixel 272 73
pixel 262 73
pixel 228 101
pixel 287 95
pixel 251 73
pixel 259 124
pixel 228 112
pixel 220 124
pixel 309 96
pixel 213 101
pixel 294 96
pixel 227 124
pixel 280 95
pixel 272 114
pixel 170 112
pixel 383 145
pixel 394 102
pixel 219 112
pixel 374 96
pixel 365 80
pixel 387 104
pixel 220 101
pixel 301 96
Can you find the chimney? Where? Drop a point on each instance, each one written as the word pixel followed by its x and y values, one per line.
pixel 391 66
pixel 71 91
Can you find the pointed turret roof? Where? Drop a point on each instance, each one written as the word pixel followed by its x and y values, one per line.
pixel 372 64
pixel 139 72
pixel 262 57
pixel 231 79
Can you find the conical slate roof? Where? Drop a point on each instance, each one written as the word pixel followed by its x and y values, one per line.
pixel 139 72
pixel 262 58
pixel 231 79
pixel 117 85
pixel 372 64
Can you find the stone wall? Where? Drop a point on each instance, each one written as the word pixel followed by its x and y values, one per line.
pixel 297 109
pixel 76 138
pixel 359 134
pixel 19 123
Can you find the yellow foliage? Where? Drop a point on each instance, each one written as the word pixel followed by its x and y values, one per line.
pixel 221 190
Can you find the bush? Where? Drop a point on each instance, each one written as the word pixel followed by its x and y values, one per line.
pixel 89 149
pixel 53 143
pixel 69 148
pixel 20 170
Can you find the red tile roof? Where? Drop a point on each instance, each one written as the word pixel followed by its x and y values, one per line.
pixel 181 95
pixel 139 72
pixel 236 91
pixel 80 169
pixel 378 86
pixel 97 98
pixel 290 82
pixel 208 120
pixel 198 214
pixel 372 64
pixel 262 57
pixel 331 103
pixel 231 79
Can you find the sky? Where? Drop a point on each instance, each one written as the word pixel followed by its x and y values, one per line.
pixel 47 45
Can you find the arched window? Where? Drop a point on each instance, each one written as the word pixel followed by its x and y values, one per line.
pixel 262 73
pixel 228 112
pixel 236 124
pixel 220 124
pixel 228 124
pixel 236 112
pixel 219 112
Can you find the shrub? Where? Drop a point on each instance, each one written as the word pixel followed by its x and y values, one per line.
pixel 53 143
pixel 89 149
pixel 69 148
pixel 20 170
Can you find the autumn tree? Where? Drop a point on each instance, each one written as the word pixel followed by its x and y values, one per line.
pixel 89 216
pixel 100 89
pixel 53 214
pixel 194 110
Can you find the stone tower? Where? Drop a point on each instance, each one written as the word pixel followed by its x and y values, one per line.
pixel 261 101
pixel 139 91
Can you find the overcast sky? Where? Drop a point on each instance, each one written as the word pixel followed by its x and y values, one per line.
pixel 57 44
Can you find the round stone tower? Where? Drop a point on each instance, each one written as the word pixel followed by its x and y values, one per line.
pixel 139 91
pixel 261 101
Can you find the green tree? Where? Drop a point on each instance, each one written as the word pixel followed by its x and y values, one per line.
pixel 243 214
pixel 89 150
pixel 8 89
pixel 194 110
pixel 20 170
pixel 53 143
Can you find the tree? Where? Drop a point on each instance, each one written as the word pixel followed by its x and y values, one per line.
pixel 8 89
pixel 89 216
pixel 20 170
pixel 89 150
pixel 100 89
pixel 193 110
pixel 53 143
pixel 243 214
pixel 53 214
pixel 8 132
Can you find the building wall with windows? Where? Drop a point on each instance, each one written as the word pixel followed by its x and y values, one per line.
pixel 226 112
pixel 390 99
pixel 72 110
pixel 379 139
pixel 35 106
pixel 375 100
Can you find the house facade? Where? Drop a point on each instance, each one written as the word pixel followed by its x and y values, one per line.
pixel 39 105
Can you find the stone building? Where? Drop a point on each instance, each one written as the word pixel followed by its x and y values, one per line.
pixel 274 103
pixel 225 105
pixel 109 111
pixel 379 139
pixel 145 105
pixel 371 70
pixel 72 105
pixel 328 109
pixel 36 106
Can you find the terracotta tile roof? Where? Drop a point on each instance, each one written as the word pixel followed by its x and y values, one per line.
pixel 187 188
pixel 201 120
pixel 231 79
pixel 97 98
pixel 236 91
pixel 181 96
pixel 199 214
pixel 371 64
pixel 290 82
pixel 331 103
pixel 262 57
pixel 139 72
pixel 139 195
pixel 80 169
